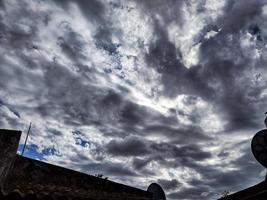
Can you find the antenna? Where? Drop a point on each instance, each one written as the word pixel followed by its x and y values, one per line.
pixel 26 139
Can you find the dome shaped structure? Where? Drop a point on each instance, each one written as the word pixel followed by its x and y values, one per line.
pixel 259 147
pixel 157 191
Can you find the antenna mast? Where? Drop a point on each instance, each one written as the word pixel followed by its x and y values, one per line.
pixel 26 139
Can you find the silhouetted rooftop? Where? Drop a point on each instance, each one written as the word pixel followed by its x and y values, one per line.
pixel 25 178
pixel 256 192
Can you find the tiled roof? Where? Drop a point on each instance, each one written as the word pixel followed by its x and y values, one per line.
pixel 34 177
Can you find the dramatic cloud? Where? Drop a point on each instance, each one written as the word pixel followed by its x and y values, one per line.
pixel 139 91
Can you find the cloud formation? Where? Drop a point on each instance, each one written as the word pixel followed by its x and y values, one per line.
pixel 140 91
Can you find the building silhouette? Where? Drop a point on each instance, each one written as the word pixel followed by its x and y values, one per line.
pixel 23 178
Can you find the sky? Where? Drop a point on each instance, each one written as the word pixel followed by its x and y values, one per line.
pixel 140 91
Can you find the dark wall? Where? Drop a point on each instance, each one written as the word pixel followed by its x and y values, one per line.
pixel 9 141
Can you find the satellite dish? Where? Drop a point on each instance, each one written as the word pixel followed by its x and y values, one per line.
pixel 259 147
pixel 157 191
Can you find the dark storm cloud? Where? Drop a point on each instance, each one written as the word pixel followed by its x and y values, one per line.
pixel 176 78
pixel 93 11
pixel 77 102
pixel 138 164
pixel 213 177
pixel 233 97
pixel 85 104
pixel 223 77
pixel 169 11
pixel 186 155
pixel 2 104
pixel 182 134
pixel 169 184
pixel 55 132
pixel 96 13
pixel 129 147
pixel 11 116
pixel 237 14
pixel 72 43
pixel 18 32
pixel 164 56
pixel 193 152
pixel 96 150
pixel 62 86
